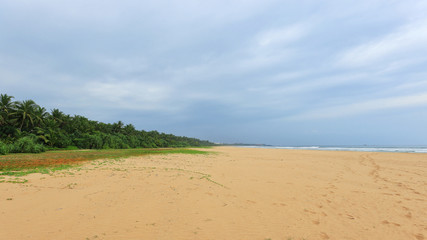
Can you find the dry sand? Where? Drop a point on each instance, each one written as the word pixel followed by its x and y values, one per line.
pixel 236 193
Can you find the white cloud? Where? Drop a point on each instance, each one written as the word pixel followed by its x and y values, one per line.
pixel 131 95
pixel 410 38
pixel 363 107
pixel 259 60
pixel 283 35
pixel 122 65
pixel 267 49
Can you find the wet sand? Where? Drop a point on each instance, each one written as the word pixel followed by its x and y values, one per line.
pixel 234 193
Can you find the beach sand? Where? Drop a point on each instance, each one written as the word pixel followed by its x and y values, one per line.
pixel 234 193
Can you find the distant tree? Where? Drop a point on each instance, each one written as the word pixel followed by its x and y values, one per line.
pixel 40 115
pixel 79 125
pixel 117 127
pixel 57 116
pixel 129 130
pixel 28 127
pixel 25 113
pixel 6 108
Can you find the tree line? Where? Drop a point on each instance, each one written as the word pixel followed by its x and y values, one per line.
pixel 28 127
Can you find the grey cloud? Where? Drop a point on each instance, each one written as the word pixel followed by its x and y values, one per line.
pixel 225 70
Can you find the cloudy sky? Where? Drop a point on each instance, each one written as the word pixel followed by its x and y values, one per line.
pixel 299 72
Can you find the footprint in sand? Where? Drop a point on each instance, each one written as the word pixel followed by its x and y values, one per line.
pixel 281 204
pixel 419 236
pixel 309 211
pixel 324 235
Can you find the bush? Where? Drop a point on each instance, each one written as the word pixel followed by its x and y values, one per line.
pixel 71 148
pixel 133 141
pixel 27 145
pixel 4 148
pixel 88 141
pixel 61 140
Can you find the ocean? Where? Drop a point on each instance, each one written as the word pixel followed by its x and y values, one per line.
pixel 405 149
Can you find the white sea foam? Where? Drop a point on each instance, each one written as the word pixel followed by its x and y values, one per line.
pixel 407 149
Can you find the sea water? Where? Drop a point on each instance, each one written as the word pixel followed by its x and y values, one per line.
pixel 364 148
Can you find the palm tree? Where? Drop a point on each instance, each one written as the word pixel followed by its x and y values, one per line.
pixel 40 115
pixel 59 117
pixel 129 129
pixel 25 113
pixel 6 108
pixel 117 127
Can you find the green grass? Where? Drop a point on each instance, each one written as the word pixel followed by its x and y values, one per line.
pixel 23 164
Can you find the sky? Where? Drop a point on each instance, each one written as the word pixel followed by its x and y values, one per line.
pixel 304 72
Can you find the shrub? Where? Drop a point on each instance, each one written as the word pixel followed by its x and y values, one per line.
pixel 4 148
pixel 27 145
pixel 88 141
pixel 71 148
pixel 61 140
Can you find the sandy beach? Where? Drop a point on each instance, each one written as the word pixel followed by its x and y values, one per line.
pixel 233 193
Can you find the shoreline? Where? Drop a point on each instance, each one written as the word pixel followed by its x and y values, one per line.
pixel 390 149
pixel 234 193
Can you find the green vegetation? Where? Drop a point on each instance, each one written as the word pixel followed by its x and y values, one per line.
pixel 23 164
pixel 25 127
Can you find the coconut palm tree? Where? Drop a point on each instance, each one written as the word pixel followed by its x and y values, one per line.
pixel 25 113
pixel 117 127
pixel 40 115
pixel 59 117
pixel 129 129
pixel 6 108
